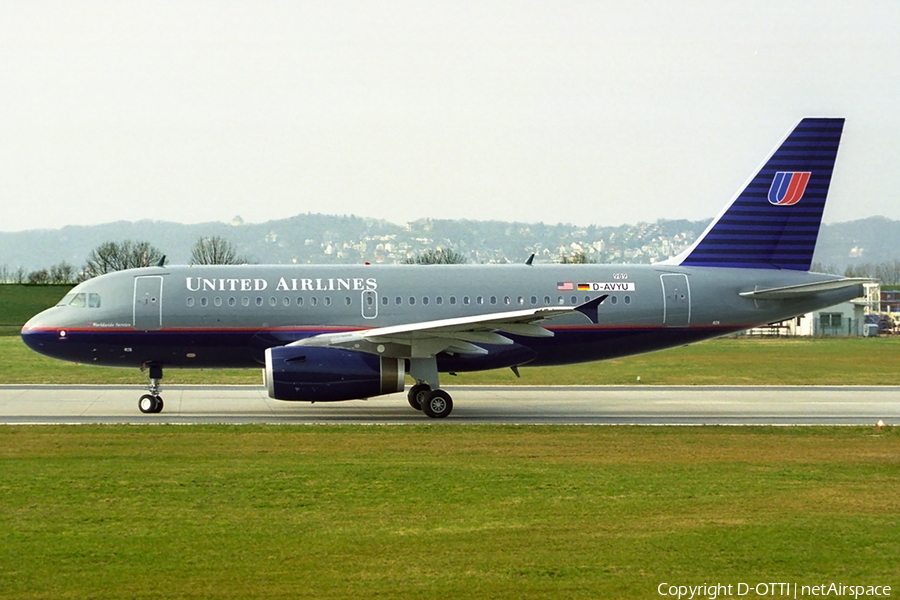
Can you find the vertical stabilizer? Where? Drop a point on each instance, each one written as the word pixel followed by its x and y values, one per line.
pixel 774 221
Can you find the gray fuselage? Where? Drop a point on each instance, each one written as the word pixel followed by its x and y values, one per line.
pixel 226 316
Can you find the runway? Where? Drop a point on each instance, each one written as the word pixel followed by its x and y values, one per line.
pixel 576 405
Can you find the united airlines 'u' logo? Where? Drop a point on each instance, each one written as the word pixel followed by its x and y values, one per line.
pixel 788 187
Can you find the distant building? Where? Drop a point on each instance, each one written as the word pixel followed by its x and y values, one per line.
pixel 890 301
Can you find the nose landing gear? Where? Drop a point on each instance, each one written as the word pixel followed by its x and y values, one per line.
pixel 152 403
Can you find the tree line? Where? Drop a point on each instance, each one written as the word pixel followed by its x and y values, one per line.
pixel 888 273
pixel 117 256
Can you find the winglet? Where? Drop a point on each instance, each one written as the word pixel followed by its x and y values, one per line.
pixel 530 260
pixel 589 309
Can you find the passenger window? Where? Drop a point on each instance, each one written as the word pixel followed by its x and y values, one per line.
pixel 273 301
pixel 439 300
pixel 77 301
pixel 232 301
pixel 245 301
pixel 398 300
pixel 313 301
pixel 347 301
pixel 217 301
pixel 466 300
pixel 533 300
pixel 614 300
pixel 627 299
pixel 299 300
pixel 327 300
pixel 574 300
pixel 412 300
pixel 546 299
pixel 479 300
pixel 190 302
pixel 94 300
pixel 259 301
pixel 204 301
pixel 286 301
pixel 384 300
pixel 453 300
pixel 493 299
pixel 425 300
pixel 560 300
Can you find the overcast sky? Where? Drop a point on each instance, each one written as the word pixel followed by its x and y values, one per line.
pixel 581 112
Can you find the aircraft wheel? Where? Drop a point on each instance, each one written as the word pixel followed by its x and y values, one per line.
pixel 437 404
pixel 416 395
pixel 150 404
pixel 147 404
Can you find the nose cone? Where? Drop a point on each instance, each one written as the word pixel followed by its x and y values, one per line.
pixel 40 334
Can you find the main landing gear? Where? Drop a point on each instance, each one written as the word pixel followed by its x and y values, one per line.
pixel 436 404
pixel 152 403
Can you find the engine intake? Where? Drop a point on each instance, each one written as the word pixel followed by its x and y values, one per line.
pixel 330 374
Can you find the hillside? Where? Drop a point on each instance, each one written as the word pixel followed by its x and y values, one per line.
pixel 317 238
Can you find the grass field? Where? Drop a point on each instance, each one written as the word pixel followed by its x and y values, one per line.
pixel 441 512
pixel 729 361
pixel 18 303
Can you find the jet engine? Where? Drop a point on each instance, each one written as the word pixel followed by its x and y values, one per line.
pixel 330 374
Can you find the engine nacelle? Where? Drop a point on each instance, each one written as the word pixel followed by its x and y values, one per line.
pixel 330 374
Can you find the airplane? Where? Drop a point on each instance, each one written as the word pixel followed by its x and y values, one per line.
pixel 325 333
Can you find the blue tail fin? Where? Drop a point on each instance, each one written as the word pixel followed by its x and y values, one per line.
pixel 774 222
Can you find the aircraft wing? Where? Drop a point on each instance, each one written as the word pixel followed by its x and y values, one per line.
pixel 805 289
pixel 458 335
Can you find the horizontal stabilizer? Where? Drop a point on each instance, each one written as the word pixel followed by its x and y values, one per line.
pixel 805 289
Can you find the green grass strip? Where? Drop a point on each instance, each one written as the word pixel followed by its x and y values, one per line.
pixel 440 512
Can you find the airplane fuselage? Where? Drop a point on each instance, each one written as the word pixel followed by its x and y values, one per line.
pixel 226 316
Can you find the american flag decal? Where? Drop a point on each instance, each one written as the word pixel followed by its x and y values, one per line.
pixel 565 286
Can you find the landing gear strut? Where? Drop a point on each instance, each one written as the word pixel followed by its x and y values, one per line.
pixel 152 403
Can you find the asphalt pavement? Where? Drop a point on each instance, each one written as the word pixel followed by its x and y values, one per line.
pixel 573 405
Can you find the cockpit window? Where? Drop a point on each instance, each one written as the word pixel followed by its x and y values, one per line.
pixel 81 300
pixel 78 301
pixel 66 299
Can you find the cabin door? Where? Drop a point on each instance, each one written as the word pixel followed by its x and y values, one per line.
pixel 148 303
pixel 676 300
